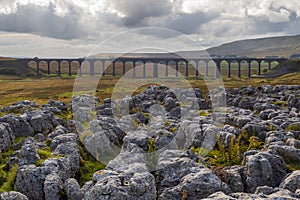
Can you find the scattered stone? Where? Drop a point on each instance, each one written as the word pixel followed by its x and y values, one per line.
pixel 6 136
pixel 124 186
pixel 30 181
pixel 139 134
pixel 263 169
pixel 18 125
pixel 292 181
pixel 28 153
pixel 53 187
pixel 12 196
pixel 73 189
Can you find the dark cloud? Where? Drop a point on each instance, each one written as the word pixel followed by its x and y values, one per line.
pixel 261 25
pixel 190 23
pixel 209 19
pixel 40 20
pixel 136 11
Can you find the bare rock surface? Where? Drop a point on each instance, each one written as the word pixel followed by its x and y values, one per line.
pixel 163 143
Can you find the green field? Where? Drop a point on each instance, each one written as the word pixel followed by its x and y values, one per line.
pixel 26 85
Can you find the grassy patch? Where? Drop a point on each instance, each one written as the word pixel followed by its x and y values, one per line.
pixel 173 129
pixel 44 155
pixel 292 166
pixel 85 134
pixel 60 88
pixel 279 103
pixel 293 127
pixel 18 140
pixel 167 123
pixel 151 155
pixel 65 115
pixel 7 176
pixel 135 123
pixel 272 127
pixel 88 166
pixel 232 155
pixel 7 179
pixel 199 151
pixel 203 113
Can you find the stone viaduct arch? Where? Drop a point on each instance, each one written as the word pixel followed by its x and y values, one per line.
pixel 156 61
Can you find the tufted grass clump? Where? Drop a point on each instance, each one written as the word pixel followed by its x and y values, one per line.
pixel 44 155
pixel 8 175
pixel 254 144
pixel 203 113
pixel 167 123
pixel 293 127
pixel 147 116
pixel 272 127
pixel 232 155
pixel 201 152
pixel 173 129
pixel 8 178
pixel 65 115
pixel 88 166
pixel 279 103
pixel 85 135
pixel 292 166
pixel 135 123
pixel 152 157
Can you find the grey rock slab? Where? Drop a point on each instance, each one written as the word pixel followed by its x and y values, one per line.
pixel 13 196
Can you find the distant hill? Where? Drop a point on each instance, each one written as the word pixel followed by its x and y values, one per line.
pixel 289 66
pixel 284 46
pixel 14 68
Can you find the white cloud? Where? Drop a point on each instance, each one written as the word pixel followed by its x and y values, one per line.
pixel 73 23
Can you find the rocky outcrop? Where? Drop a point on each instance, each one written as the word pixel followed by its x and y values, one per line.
pixel 18 124
pixel 30 181
pixel 12 196
pixel 6 136
pixel 53 187
pixel 73 189
pixel 156 145
pixel 28 154
pixel 122 186
pixel 292 181
pixel 195 186
pixel 263 169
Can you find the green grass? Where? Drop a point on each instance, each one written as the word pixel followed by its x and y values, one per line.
pixel 8 179
pixel 135 123
pixel 203 113
pixel 44 155
pixel 279 103
pixel 292 166
pixel 293 127
pixel 221 156
pixel 17 140
pixel 167 123
pixel 45 88
pixel 88 166
pixel 65 115
pixel 173 129
pixel 7 176
pixel 152 157
pixel 85 134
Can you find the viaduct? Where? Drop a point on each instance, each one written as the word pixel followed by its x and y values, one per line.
pixel 155 61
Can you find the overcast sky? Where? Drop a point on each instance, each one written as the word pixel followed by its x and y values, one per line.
pixel 72 28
